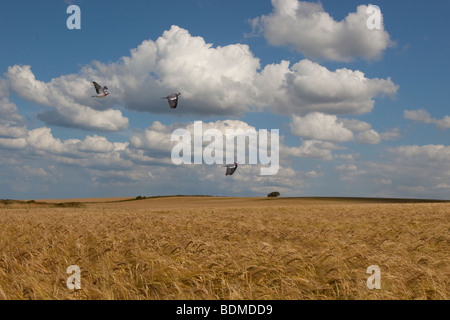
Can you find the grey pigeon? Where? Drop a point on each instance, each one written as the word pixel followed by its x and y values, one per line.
pixel 173 99
pixel 231 168
pixel 101 92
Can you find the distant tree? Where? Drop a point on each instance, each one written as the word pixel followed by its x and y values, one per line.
pixel 273 194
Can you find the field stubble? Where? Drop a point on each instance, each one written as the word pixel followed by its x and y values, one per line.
pixel 254 250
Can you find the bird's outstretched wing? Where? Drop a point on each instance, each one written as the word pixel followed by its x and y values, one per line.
pixel 98 87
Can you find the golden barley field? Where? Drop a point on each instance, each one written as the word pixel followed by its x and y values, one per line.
pixel 212 248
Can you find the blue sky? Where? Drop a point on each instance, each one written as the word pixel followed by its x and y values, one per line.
pixel 360 112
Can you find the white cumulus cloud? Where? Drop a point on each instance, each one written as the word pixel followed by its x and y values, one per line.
pixel 220 80
pixel 307 86
pixel 320 126
pixel 311 30
pixel 65 110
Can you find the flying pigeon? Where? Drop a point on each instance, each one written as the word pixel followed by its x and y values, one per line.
pixel 173 99
pixel 231 168
pixel 101 92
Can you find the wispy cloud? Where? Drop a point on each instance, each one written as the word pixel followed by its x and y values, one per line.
pixel 422 116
